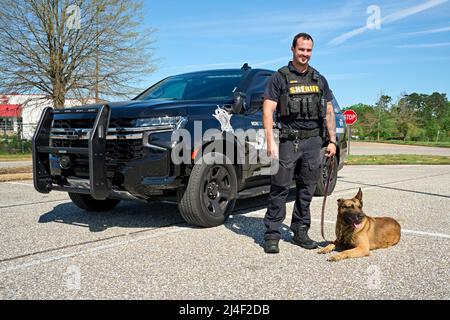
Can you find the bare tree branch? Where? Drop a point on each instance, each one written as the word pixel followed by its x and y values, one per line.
pixel 43 50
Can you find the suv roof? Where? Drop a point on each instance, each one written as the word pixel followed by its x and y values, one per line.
pixel 250 69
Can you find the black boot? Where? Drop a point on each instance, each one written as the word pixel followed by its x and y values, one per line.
pixel 302 239
pixel 271 246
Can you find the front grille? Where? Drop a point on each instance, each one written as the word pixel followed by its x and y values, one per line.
pixel 124 150
pixel 89 123
pixel 73 123
pixel 117 151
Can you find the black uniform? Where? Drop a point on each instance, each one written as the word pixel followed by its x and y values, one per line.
pixel 301 111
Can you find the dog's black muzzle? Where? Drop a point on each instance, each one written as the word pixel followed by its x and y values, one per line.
pixel 353 218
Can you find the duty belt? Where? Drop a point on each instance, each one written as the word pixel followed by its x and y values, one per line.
pixel 293 134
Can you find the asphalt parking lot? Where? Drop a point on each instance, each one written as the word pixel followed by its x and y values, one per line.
pixel 49 249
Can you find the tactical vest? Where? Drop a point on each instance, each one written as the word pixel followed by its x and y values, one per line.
pixel 303 98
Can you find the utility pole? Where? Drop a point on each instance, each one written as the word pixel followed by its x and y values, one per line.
pixel 382 105
pixel 379 122
pixel 97 60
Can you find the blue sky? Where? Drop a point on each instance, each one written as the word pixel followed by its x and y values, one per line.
pixel 406 50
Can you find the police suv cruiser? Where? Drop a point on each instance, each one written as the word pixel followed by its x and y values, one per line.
pixel 101 154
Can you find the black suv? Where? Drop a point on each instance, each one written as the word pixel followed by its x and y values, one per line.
pixel 104 153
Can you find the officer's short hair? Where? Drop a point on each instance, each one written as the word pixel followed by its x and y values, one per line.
pixel 301 35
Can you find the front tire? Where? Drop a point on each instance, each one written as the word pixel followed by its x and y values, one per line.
pixel 320 188
pixel 88 203
pixel 210 194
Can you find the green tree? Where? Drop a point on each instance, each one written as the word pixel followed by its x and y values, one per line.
pixel 381 108
pixel 365 127
pixel 432 113
pixel 436 111
pixel 406 119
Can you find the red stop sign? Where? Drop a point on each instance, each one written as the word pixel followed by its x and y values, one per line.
pixel 350 116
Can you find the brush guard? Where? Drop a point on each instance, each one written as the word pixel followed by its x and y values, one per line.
pixel 99 186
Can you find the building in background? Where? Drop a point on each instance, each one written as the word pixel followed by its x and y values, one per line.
pixel 10 116
pixel 20 113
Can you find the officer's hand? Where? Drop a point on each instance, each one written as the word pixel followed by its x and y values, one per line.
pixel 331 150
pixel 272 150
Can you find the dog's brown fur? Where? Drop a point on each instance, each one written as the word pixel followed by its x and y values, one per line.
pixel 370 233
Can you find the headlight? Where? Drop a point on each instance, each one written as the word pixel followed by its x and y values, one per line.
pixel 174 122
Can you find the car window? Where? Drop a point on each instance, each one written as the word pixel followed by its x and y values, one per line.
pixel 196 86
pixel 259 83
pixel 336 107
pixel 170 91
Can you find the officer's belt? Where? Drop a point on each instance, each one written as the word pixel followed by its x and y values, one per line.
pixel 293 134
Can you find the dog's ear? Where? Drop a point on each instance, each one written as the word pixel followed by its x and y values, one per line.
pixel 340 201
pixel 359 196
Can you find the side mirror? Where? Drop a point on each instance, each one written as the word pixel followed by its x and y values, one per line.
pixel 256 103
pixel 239 102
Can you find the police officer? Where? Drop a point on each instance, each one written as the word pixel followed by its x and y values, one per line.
pixel 304 116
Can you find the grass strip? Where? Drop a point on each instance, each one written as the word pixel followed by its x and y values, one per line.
pixel 440 144
pixel 396 159
pixel 15 157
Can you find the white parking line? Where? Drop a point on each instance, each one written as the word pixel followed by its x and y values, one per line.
pixel 431 234
pixel 35 262
pixel 170 230
pixel 261 213
pixel 439 235
pixel 20 183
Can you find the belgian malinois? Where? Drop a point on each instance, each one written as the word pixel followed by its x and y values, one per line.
pixel 357 233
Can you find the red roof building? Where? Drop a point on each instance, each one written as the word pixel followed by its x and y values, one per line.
pixel 10 110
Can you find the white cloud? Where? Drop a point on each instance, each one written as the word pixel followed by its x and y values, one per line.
pixel 411 11
pixel 429 31
pixel 425 45
pixel 344 37
pixel 273 61
pixel 388 19
pixel 267 23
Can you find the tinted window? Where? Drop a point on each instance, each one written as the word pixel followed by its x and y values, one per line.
pixel 200 86
pixel 336 107
pixel 259 83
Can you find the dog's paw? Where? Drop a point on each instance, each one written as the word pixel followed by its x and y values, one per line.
pixel 336 257
pixel 326 249
pixel 323 250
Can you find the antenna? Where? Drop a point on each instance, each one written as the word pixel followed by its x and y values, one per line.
pixel 245 67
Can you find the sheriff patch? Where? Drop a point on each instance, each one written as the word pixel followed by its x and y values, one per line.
pixel 303 89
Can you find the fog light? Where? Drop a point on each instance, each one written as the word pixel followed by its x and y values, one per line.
pixel 64 162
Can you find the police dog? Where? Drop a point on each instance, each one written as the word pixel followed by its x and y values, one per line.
pixel 357 233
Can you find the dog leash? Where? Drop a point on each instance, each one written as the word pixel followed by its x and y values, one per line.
pixel 330 166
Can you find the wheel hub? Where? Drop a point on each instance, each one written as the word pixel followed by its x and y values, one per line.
pixel 212 190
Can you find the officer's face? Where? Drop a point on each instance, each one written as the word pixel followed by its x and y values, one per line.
pixel 302 51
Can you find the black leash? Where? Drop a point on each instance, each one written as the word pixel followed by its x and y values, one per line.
pixel 330 166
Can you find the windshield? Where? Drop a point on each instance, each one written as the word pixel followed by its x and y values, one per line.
pixel 195 86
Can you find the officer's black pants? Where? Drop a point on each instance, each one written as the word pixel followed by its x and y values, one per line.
pixel 304 166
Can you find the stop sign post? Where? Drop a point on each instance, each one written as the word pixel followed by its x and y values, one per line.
pixel 350 118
